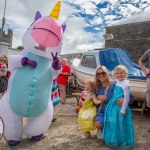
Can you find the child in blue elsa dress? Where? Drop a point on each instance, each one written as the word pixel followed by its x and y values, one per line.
pixel 118 131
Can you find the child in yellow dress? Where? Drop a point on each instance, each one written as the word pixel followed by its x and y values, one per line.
pixel 88 110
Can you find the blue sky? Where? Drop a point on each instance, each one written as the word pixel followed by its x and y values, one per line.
pixel 86 19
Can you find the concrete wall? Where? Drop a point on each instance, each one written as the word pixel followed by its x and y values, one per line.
pixel 4 48
pixel 13 52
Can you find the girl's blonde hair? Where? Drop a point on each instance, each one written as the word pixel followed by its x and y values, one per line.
pixel 92 84
pixel 5 59
pixel 98 83
pixel 122 68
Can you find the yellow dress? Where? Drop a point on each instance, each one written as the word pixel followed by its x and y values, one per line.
pixel 87 114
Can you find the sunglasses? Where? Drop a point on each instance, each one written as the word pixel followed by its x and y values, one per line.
pixel 101 74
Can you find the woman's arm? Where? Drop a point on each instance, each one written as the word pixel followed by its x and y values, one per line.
pixel 96 102
pixel 101 97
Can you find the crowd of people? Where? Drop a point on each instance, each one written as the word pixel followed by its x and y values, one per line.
pixel 104 103
pixel 112 118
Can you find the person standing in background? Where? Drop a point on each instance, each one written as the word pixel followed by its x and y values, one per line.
pixel 145 59
pixel 63 79
pixel 6 63
pixel 3 78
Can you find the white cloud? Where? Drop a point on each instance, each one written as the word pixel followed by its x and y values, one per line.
pixel 89 8
pixel 75 38
pixel 129 9
pixel 104 10
pixel 20 14
pixel 79 2
pixel 142 16
pixel 97 20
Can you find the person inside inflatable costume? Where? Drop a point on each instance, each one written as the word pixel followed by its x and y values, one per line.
pixel 29 86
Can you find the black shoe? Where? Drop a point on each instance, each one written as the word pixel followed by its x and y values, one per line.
pixel 54 119
pixel 13 143
pixel 148 130
pixel 37 138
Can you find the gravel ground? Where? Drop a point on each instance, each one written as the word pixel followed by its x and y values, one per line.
pixel 65 135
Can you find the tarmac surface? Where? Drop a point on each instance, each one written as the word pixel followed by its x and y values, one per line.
pixel 64 134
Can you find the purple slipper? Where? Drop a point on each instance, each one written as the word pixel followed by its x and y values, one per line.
pixel 37 138
pixel 13 143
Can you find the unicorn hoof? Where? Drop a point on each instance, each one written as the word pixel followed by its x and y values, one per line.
pixel 37 138
pixel 13 143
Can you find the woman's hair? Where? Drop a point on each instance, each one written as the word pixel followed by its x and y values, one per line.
pixel 122 68
pixel 98 83
pixel 92 84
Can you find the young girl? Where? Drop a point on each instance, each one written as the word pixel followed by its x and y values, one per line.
pixel 88 110
pixel 3 78
pixel 118 129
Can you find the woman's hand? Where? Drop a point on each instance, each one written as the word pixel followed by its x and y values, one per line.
pixel 97 101
pixel 120 102
pixel 101 97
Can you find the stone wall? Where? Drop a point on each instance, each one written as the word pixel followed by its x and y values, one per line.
pixel 134 37
pixel 7 37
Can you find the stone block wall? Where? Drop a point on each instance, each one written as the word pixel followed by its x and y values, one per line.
pixel 7 37
pixel 134 37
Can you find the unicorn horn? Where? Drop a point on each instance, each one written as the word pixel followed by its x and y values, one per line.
pixel 56 10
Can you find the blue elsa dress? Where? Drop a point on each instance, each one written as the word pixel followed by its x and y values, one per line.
pixel 118 131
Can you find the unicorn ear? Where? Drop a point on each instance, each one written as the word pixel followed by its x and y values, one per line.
pixel 63 26
pixel 56 10
pixel 38 15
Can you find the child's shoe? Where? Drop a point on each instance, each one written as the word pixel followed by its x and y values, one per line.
pixel 85 135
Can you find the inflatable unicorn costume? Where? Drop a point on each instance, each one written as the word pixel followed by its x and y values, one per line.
pixel 30 83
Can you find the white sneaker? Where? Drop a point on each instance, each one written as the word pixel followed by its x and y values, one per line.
pixel 99 134
pixel 85 135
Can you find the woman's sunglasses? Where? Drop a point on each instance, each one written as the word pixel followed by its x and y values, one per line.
pixel 101 74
